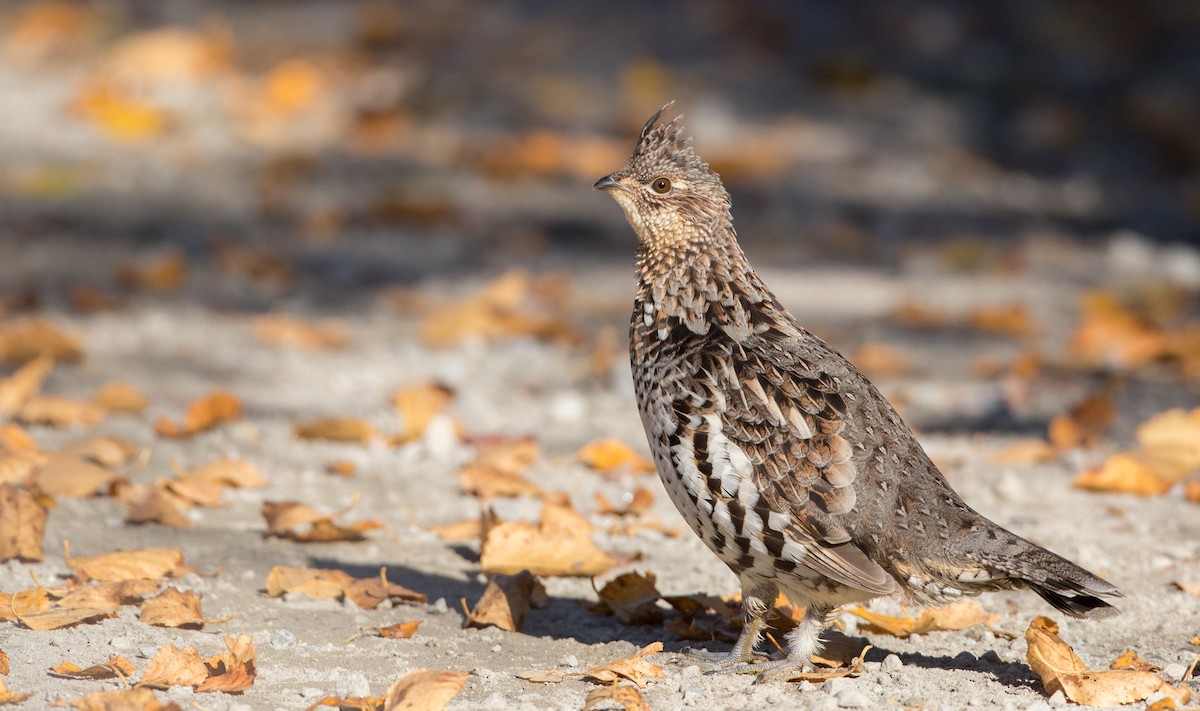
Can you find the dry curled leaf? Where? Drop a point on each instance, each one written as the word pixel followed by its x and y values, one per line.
pixel 1024 452
pixel 10 697
pixel 26 339
pixel 633 598
pixel 157 505
pixel 628 697
pixel 560 544
pixel 424 690
pixel 162 273
pixel 301 522
pixel 24 603
pixel 108 596
pixel 400 630
pixel 635 502
pixel 172 666
pixel 15 439
pixel 343 429
pixel 128 565
pixel 106 451
pixel 59 411
pixel 609 456
pixel 879 360
pixel 511 306
pixel 1062 670
pixel 234 670
pixel 955 616
pixel 18 388
pixel 68 475
pixel 336 585
pixel 1111 336
pixel 506 601
pixel 1008 320
pixel 636 668
pixel 1083 424
pixel 291 332
pixel 173 608
pixel 417 405
pixel 121 700
pixel 233 473
pixel 202 415
pixel 117 667
pixel 4 664
pixel 1123 473
pixel 498 470
pixel 22 524
pixel 117 396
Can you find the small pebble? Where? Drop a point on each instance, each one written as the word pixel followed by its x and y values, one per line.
pixel 1174 671
pixel 690 670
pixel 282 639
pixel 892 663
pixel 119 642
pixel 570 661
pixel 851 699
pixel 350 683
pixel 147 652
pixel 496 649
pixel 261 638
pixel 690 692
pixel 439 607
pixel 309 692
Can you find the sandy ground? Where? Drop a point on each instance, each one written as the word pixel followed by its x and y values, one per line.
pixel 174 349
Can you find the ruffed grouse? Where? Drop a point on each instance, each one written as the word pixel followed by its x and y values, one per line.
pixel 780 455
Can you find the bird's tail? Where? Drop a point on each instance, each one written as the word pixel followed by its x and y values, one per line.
pixel 1067 587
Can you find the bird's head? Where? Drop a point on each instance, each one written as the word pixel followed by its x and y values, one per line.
pixel 671 198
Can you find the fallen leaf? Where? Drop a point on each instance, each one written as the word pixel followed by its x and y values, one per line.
pixel 117 667
pixel 1009 320
pixel 417 406
pixel 633 598
pixel 108 596
pixel 24 384
pixel 291 332
pixel 173 608
pixel 878 360
pixel 128 565
pixel 301 522
pixel 122 117
pixel 54 619
pixel 163 273
pixel 1191 588
pixel 27 339
pixel 67 475
pixel 336 430
pixel 15 439
pixel 233 671
pixel 20 467
pixel 4 664
pixel 368 593
pixel 424 690
pixel 192 492
pixel 400 630
pixel 1061 670
pixel 1024 453
pixel 560 544
pixel 1083 424
pixel 24 603
pixel 628 697
pixel 105 451
pixel 121 700
pixel 342 467
pixel 22 524
pixel 507 307
pixel 955 616
pixel 636 502
pixel 336 585
pixel 553 676
pixel 498 470
pixel 506 601
pixel 820 676
pixel 1123 473
pixel 1130 659
pixel 117 396
pixel 610 455
pixel 1191 491
pixel 914 315
pixel 59 411
pixel 172 666
pixel 636 668
pixel 87 298
pixel 10 697
pixel 202 415
pixel 1109 335
pixel 234 473
pixel 159 506
pixel 1170 442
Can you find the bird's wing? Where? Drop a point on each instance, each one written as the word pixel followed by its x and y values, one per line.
pixel 788 417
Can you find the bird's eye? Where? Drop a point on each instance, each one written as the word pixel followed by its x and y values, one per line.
pixel 661 185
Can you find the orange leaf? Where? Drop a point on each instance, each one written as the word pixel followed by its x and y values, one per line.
pixel 66 475
pixel 27 339
pixel 117 667
pixel 506 601
pixel 424 690
pixel 116 396
pixel 10 697
pixel 233 671
pixel 204 414
pixel 291 332
pixel 21 386
pixel 400 630
pixel 172 666
pixel 609 455
pixel 15 439
pixel 59 411
pixel 1011 320
pixel 127 565
pixel 108 596
pixel 1123 473
pixel 418 405
pixel 633 598
pixel 162 273
pixel 105 451
pixel 1083 424
pixel 560 544
pixel 234 473
pixel 22 524
pixel 172 608
pixel 336 430
pixel 636 668
pixel 628 697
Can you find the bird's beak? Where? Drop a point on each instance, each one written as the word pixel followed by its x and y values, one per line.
pixel 607 183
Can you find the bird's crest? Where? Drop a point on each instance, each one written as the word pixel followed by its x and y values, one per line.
pixel 665 145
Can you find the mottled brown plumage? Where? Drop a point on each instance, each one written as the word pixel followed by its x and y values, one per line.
pixel 780 455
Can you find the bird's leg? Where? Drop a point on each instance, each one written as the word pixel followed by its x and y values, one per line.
pixel 803 642
pixel 757 598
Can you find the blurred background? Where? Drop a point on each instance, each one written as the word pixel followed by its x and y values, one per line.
pixel 464 132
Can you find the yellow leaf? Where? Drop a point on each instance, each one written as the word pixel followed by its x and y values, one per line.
pixel 637 668
pixel 424 690
pixel 1123 473
pixel 608 455
pixel 560 544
